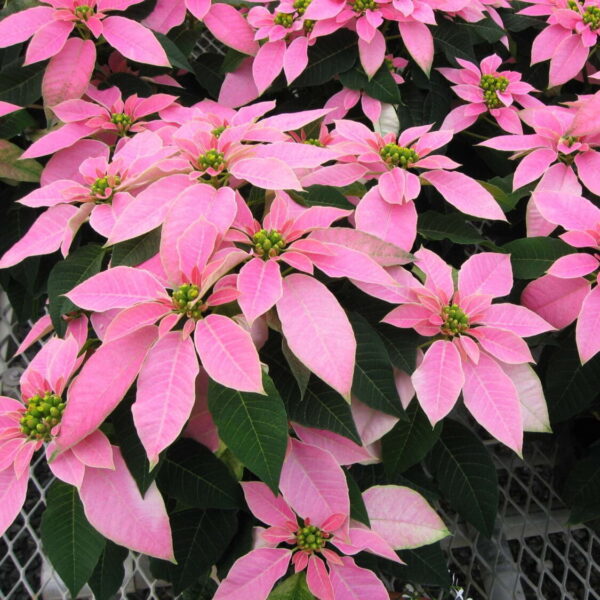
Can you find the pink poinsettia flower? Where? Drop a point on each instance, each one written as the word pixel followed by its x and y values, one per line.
pixel 6 108
pixel 171 13
pixel 568 292
pixel 572 32
pixel 311 517
pixel 560 135
pixel 477 346
pixel 298 237
pixel 487 90
pixel 50 26
pixel 27 426
pixel 107 113
pixel 387 210
pixel 100 190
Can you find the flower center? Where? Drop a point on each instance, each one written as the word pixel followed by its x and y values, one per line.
pixel 311 539
pixel 569 140
pixel 314 142
pixel 491 85
pixel 268 243
pixel 213 159
pixel 217 131
pixel 102 184
pixel 308 25
pixel 183 301
pixel 83 12
pixel 42 415
pixel 284 19
pixel 455 320
pixel 398 156
pixel 361 6
pixel 122 121
pixel 591 17
pixel 301 6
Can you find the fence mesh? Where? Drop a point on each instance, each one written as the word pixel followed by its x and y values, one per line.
pixel 533 553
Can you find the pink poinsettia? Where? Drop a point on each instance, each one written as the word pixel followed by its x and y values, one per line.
pixel 6 108
pixel 100 190
pixel 300 238
pixel 561 135
pixel 312 517
pixel 107 113
pixel 568 292
pixel 477 346
pixel 572 32
pixel 388 210
pixel 27 426
pixel 171 13
pixel 50 26
pixel 487 90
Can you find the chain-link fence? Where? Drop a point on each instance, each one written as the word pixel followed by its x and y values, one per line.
pixel 533 554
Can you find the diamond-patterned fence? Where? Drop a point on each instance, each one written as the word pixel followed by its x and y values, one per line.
pixel 532 555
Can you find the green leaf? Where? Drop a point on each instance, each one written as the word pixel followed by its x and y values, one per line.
pixel 501 189
pixel 18 170
pixel 207 69
pixel 453 226
pixel 454 41
pixel 109 572
pixel 381 86
pixel 322 195
pixel 426 565
pixel 582 488
pixel 176 57
pixel 70 542
pixel 15 123
pixel 77 267
pixel 232 60
pixel 570 387
pixel 192 474
pixel 293 588
pixel 358 510
pixel 323 408
pixel 22 85
pixel 199 539
pixel 139 11
pixel 532 257
pixel 408 442
pixel 130 84
pixel 401 345
pixel 137 250
pixel 331 55
pixel 373 381
pixel 466 475
pixel 486 30
pixel 253 426
pixel 134 454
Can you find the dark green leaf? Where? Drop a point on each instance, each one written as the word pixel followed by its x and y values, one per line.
pixel 207 70
pixel 501 190
pixel 322 195
pixel 466 475
pixel 15 168
pixel 300 372
pixel 323 408
pixel 133 252
pixel 454 40
pixel 176 57
pixel 109 572
pixel 15 123
pixel 293 588
pixel 70 542
pixel 199 539
pixel 331 55
pixel 358 510
pixel 570 387
pixel 582 488
pixel 77 267
pixel 408 442
pixel 139 11
pixel 532 257
pixel 132 450
pixel 373 381
pixel 426 565
pixel 401 345
pixel 192 474
pixel 486 30
pixel 453 226
pixel 253 426
pixel 232 60
pixel 130 84
pixel 381 86
pixel 22 85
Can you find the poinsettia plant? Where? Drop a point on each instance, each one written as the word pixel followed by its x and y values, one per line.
pixel 281 277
